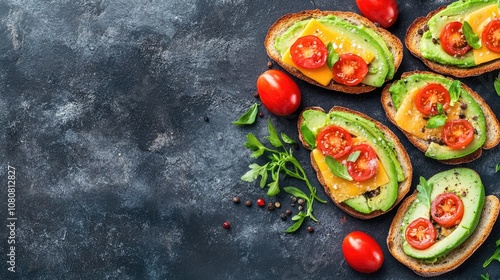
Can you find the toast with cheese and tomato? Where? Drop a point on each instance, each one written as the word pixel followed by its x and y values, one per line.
pixel 443 223
pixel 360 163
pixel 442 117
pixel 340 51
pixel 458 39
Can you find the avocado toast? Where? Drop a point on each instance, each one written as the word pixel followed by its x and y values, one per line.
pixel 463 112
pixel 365 182
pixel 434 38
pixel 443 223
pixel 344 33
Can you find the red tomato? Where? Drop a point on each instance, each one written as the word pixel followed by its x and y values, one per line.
pixel 278 92
pixel 349 70
pixel 365 165
pixel 420 233
pixel 458 133
pixel 309 52
pixel 429 96
pixel 453 40
pixel 491 35
pixel 334 141
pixel 447 210
pixel 383 12
pixel 362 252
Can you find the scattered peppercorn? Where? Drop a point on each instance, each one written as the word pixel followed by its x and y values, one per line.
pixel 226 225
pixel 310 229
pixel 270 206
pixel 256 94
pixel 293 198
pixel 283 217
pixel 288 212
pixel 277 204
pixel 261 115
pixel 300 208
pixel 248 203
pixel 269 64
pixel 301 201
pixel 236 199
pixel 261 202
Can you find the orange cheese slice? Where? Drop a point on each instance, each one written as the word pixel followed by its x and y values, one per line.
pixel 341 43
pixel 478 21
pixel 411 120
pixel 342 189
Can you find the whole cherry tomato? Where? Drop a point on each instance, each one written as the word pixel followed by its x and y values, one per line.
pixel 383 12
pixel 278 92
pixel 362 252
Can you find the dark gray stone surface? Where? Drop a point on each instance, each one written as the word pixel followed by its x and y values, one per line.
pixel 116 116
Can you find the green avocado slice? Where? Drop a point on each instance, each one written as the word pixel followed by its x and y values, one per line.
pixel 465 183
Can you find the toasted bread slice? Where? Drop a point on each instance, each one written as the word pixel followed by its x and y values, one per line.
pixel 281 25
pixel 402 156
pixel 412 41
pixel 492 123
pixel 457 256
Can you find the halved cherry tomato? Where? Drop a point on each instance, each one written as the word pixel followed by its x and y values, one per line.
pixel 447 210
pixel 458 133
pixel 453 40
pixel 365 165
pixel 349 70
pixel 362 252
pixel 278 92
pixel 491 35
pixel 429 96
pixel 309 52
pixel 334 141
pixel 383 12
pixel 420 233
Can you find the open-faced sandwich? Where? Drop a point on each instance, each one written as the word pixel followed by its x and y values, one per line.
pixel 340 51
pixel 443 223
pixel 442 117
pixel 460 39
pixel 360 163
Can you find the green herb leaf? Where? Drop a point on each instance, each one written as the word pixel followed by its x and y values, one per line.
pixel 333 56
pixel 354 156
pixel 437 120
pixel 297 224
pixel 496 84
pixel 470 36
pixel 254 145
pixel 485 276
pixel 454 91
pixel 273 135
pixel 308 136
pixel 424 192
pixel 497 167
pixel 495 256
pixel 287 139
pixel 296 192
pixel 337 168
pixel 248 117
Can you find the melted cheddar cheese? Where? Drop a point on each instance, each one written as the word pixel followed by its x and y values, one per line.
pixel 411 120
pixel 342 189
pixel 341 44
pixel 478 21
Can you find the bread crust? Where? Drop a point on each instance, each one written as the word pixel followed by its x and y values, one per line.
pixel 283 23
pixel 402 156
pixel 453 259
pixel 492 123
pixel 412 41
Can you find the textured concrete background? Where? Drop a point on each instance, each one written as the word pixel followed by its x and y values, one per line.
pixel 116 116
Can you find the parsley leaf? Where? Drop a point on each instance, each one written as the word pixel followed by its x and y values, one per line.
pixel 495 256
pixel 496 84
pixel 249 116
pixel 424 192
pixel 497 167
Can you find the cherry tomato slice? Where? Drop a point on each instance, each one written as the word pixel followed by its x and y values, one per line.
pixel 349 70
pixel 309 52
pixel 362 252
pixel 453 39
pixel 458 133
pixel 491 35
pixel 278 92
pixel 420 233
pixel 334 141
pixel 383 12
pixel 429 96
pixel 447 210
pixel 365 165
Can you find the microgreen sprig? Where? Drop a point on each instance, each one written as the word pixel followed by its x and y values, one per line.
pixel 281 162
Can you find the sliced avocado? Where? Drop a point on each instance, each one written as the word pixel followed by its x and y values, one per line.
pixel 382 66
pixel 472 112
pixel 429 46
pixel 465 183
